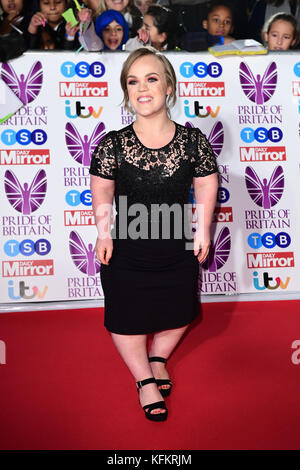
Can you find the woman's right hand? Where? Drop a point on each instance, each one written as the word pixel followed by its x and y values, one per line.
pixel 85 15
pixel 104 249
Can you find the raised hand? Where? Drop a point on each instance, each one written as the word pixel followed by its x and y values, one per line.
pixel 37 20
pixel 143 35
pixel 85 15
pixel 71 30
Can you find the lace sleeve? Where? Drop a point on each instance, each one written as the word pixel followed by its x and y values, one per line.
pixel 103 162
pixel 205 160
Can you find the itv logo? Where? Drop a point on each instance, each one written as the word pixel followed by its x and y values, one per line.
pixel 25 292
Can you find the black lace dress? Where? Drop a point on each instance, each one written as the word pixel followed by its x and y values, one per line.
pixel 151 281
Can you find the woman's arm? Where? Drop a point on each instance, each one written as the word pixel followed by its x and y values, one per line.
pixel 103 191
pixel 205 190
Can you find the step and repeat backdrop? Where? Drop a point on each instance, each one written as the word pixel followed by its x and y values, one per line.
pixel 249 109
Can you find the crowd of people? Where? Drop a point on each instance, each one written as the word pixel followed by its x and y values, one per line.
pixel 111 25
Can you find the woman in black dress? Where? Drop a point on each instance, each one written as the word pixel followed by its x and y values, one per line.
pixel 149 270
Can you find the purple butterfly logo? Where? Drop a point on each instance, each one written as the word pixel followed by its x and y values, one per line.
pixel 259 90
pixel 219 251
pixel 265 194
pixel 82 149
pixel 215 138
pixel 84 257
pixel 26 199
pixel 26 89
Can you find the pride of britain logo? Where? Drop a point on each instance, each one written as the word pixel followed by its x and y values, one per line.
pixel 26 89
pixel 212 279
pixel 81 149
pixel 258 89
pixel 265 193
pixel 84 257
pixel 29 197
pixel 218 252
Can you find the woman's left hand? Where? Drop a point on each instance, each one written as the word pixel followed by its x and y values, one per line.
pixel 201 245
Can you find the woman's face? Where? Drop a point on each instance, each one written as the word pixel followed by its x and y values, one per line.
pixel 12 7
pixel 118 5
pixel 113 35
pixel 280 36
pixel 53 9
pixel 157 39
pixel 147 86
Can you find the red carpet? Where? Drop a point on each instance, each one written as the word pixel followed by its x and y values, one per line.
pixel 64 386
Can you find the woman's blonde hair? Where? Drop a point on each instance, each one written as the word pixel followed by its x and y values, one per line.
pixel 168 68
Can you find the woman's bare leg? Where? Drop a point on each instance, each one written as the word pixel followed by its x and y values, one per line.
pixel 162 345
pixel 133 350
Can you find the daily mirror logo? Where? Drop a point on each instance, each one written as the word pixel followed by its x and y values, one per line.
pixel 78 218
pixel 17 268
pixel 25 157
pixel 201 89
pixel 270 260
pixel 262 154
pixel 83 89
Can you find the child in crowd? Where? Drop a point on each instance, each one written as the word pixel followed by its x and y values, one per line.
pixel 131 13
pixel 13 26
pixel 280 32
pixel 112 29
pixel 48 30
pixel 219 21
pixel 14 16
pixel 263 10
pixel 110 32
pixel 158 30
pixel 143 5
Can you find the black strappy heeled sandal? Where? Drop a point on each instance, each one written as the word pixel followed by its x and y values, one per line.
pixel 165 392
pixel 153 406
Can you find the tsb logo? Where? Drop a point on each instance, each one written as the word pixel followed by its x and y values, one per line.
pixel 27 247
pixel 297 69
pixel 200 69
pixel 261 134
pixel 74 198
pixel 269 240
pixel 24 137
pixel 82 69
pixel 223 195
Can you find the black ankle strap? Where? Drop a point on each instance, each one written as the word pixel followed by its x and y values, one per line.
pixel 141 383
pixel 157 359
